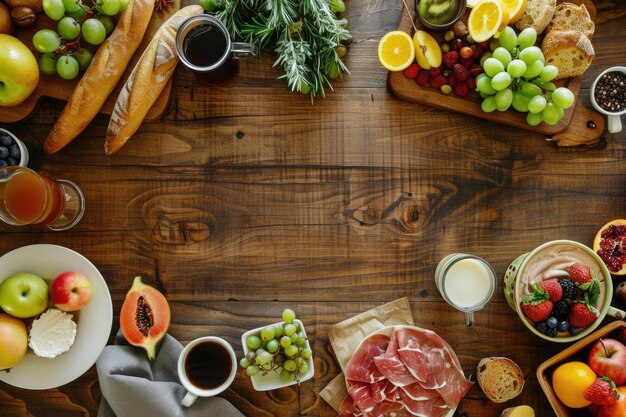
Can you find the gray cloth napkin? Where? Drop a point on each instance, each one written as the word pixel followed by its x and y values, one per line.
pixel 132 386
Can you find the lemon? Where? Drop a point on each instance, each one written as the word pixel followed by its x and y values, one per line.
pixel 570 381
pixel 516 9
pixel 396 50
pixel 487 19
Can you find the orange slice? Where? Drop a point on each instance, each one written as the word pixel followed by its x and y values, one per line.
pixel 487 19
pixel 396 50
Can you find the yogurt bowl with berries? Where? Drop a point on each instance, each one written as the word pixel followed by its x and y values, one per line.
pixel 561 290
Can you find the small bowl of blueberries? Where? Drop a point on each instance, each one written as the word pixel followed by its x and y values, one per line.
pixel 12 150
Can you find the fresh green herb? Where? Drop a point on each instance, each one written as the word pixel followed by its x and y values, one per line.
pixel 305 34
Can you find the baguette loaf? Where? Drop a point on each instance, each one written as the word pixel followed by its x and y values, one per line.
pixel 100 79
pixel 569 16
pixel 500 378
pixel 537 15
pixel 570 51
pixel 144 85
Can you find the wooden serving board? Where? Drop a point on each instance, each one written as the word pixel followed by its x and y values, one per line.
pixel 578 126
pixel 56 87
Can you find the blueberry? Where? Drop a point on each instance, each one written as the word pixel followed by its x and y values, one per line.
pixel 551 332
pixel 12 161
pixel 542 327
pixel 4 152
pixel 563 326
pixel 3 163
pixel 5 139
pixel 574 331
pixel 552 322
pixel 15 151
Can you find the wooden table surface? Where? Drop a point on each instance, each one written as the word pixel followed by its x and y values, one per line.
pixel 245 199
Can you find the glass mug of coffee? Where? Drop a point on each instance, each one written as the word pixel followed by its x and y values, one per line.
pixel 466 282
pixel 206 367
pixel 204 45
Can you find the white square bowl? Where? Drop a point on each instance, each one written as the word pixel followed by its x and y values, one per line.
pixel 272 379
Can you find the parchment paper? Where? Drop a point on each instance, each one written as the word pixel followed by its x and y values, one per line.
pixel 347 335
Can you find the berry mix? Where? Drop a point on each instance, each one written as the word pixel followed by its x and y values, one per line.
pixel 10 153
pixel 564 306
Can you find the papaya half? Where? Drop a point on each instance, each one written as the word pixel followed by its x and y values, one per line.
pixel 145 317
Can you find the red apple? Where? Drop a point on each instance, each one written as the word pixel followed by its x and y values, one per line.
pixel 607 357
pixel 70 291
pixel 616 410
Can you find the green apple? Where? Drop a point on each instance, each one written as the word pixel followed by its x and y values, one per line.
pixel 23 295
pixel 19 72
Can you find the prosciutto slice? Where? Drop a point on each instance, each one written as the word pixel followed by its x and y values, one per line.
pixel 361 366
pixel 418 393
pixel 434 407
pixel 430 360
pixel 362 394
pixel 392 367
pixel 348 408
pixel 384 408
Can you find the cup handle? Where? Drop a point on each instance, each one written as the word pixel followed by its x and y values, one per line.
pixel 189 399
pixel 616 313
pixel 469 318
pixel 241 49
pixel 614 124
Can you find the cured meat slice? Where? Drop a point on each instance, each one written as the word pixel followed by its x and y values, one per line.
pixel 419 393
pixel 392 367
pixel 434 407
pixel 348 408
pixel 361 366
pixel 378 390
pixel 384 408
pixel 429 359
pixel 362 395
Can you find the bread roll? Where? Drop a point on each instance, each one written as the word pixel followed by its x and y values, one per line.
pixel 500 378
pixel 100 79
pixel 568 16
pixel 538 14
pixel 146 82
pixel 571 52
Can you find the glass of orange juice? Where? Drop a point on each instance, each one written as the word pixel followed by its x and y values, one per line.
pixel 29 198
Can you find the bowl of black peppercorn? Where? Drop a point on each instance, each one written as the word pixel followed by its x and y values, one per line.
pixel 608 96
pixel 12 150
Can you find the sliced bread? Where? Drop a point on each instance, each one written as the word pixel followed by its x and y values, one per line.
pixel 500 378
pixel 571 52
pixel 568 16
pixel 538 14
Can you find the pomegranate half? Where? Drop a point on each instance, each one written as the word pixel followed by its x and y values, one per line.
pixel 610 245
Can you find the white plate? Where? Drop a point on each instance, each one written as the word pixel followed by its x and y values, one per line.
pixel 94 320
pixel 272 380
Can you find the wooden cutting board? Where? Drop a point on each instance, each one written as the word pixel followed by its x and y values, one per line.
pixel 56 87
pixel 578 126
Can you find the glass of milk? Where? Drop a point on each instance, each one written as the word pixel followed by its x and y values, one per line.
pixel 466 282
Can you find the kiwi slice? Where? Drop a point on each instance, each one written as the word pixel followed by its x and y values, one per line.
pixel 438 12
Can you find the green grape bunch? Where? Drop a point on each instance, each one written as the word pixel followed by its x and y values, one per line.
pixel 281 347
pixel 516 76
pixel 62 50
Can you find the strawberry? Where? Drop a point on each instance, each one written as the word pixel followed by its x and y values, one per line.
pixel 467 62
pixel 553 288
pixel 579 273
pixel 438 81
pixel 581 316
pixel 423 77
pixel 450 58
pixel 412 71
pixel 460 72
pixel 475 70
pixel 602 391
pixel 435 71
pixel 460 88
pixel 537 312
pixel 471 83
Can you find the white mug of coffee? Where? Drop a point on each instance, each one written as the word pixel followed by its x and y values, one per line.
pixel 206 367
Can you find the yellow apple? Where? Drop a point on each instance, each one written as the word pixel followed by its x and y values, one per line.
pixel 13 341
pixel 19 72
pixel 427 50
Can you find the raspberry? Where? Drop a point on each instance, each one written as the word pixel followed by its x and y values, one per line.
pixel 412 71
pixel 460 89
pixel 471 83
pixel 467 62
pixel 438 81
pixel 423 77
pixel 475 70
pixel 435 71
pixel 460 72
pixel 451 80
pixel 478 51
pixel 450 58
